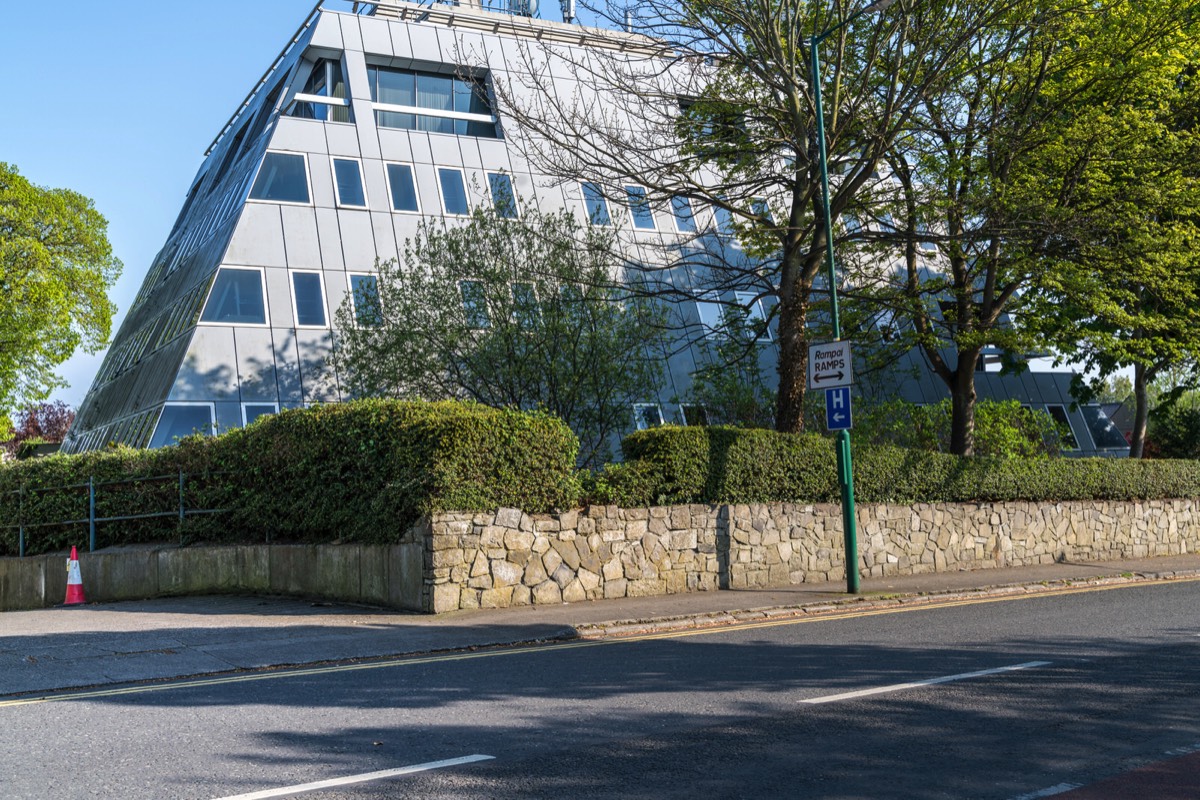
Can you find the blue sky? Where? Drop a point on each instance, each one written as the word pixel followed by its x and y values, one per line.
pixel 119 101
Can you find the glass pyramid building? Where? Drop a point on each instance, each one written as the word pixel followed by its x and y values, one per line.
pixel 372 117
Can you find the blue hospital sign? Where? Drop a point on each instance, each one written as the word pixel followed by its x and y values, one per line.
pixel 837 409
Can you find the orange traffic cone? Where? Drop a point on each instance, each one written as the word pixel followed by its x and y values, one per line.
pixel 74 581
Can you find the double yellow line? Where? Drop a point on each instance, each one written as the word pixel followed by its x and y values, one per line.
pixel 407 661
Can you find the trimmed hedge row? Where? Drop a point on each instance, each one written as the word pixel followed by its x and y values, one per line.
pixel 736 465
pixel 362 471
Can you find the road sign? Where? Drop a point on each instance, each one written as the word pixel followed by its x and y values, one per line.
pixel 837 409
pixel 829 365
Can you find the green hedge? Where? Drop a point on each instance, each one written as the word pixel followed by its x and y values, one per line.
pixel 736 465
pixel 362 471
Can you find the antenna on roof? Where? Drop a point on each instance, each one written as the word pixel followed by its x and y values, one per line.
pixel 568 10
pixel 523 8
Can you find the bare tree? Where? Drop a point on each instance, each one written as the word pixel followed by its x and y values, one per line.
pixel 711 103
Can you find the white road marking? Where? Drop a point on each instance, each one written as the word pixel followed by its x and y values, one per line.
pixel 332 783
pixel 897 687
pixel 1049 791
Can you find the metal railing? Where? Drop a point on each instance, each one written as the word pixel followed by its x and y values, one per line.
pixel 179 509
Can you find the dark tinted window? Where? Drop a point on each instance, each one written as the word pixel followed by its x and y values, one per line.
pixel 282 178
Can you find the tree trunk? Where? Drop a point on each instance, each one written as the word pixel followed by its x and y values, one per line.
pixel 793 365
pixel 962 404
pixel 1141 411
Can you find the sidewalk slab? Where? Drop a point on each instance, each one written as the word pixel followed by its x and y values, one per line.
pixel 48 650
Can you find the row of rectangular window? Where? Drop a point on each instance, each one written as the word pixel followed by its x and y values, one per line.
pixel 642 216
pixel 238 297
pixel 283 178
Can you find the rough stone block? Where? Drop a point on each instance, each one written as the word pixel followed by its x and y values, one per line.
pixel 547 593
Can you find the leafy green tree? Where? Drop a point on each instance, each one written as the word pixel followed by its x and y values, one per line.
pixel 716 106
pixel 516 313
pixel 56 266
pixel 992 176
pixel 1126 288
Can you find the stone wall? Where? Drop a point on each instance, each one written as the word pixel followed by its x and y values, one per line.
pixel 508 558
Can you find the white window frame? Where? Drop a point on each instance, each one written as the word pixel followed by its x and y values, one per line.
pixel 295 305
pixel 412 171
pixel 212 416
pixel 707 301
pixel 629 205
pixel 1070 427
pixel 462 176
pixel 272 405
pixel 639 419
pixel 587 214
pixel 262 278
pixel 512 186
pixel 307 178
pixel 337 194
pixel 675 216
pixel 350 292
pixel 753 303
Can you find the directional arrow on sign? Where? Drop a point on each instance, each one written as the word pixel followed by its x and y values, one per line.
pixel 830 365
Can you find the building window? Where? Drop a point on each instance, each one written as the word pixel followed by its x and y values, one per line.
pixel 1059 415
pixel 639 208
pixel 237 298
pixel 183 419
pixel 324 95
pixel 308 298
pixel 404 189
pixel 525 306
pixel 454 191
pixel 596 205
pixel 725 223
pixel 364 297
pixel 252 411
pixel 503 198
pixel 474 300
pixel 1105 433
pixel 647 415
pixel 712 315
pixel 685 218
pixel 283 178
pixel 694 415
pixel 347 180
pixel 755 319
pixel 427 101
pixel 762 209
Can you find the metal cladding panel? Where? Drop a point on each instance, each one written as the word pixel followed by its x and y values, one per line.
pixel 376 36
pixel 279 298
pixel 320 167
pixel 208 371
pixel 358 240
pixel 327 32
pixel 256 364
pixel 342 140
pixel 258 240
pixel 318 378
pixel 302 246
pixel 299 136
pixel 287 367
pixel 329 235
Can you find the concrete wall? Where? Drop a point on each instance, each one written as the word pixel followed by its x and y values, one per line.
pixel 508 558
pixel 388 575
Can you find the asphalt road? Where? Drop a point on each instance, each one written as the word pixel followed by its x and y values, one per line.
pixel 1033 696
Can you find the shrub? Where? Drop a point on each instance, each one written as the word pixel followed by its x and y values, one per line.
pixel 362 471
pixel 731 465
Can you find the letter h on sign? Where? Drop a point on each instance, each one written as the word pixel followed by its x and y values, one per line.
pixel 837 409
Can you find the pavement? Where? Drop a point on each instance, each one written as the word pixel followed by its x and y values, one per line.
pixel 56 649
